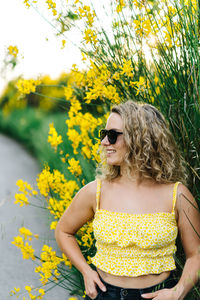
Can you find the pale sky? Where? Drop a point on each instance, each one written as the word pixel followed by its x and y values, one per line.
pixel 26 29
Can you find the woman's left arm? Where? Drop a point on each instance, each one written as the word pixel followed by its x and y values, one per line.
pixel 189 230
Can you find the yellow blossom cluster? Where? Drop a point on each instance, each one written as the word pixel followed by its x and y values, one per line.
pixel 143 26
pixel 75 80
pixel 121 4
pixel 27 3
pixel 85 235
pixel 52 6
pixel 30 289
pixel 14 291
pixel 26 86
pixel 94 152
pixel 138 3
pixel 126 68
pixel 90 36
pixel 74 167
pixel 49 264
pixel 54 139
pixel 87 125
pixel 77 77
pixel 100 86
pixel 26 249
pixel 27 234
pixel 13 50
pixel 55 181
pixel 140 85
pixel 56 208
pixel 25 190
pixel 84 11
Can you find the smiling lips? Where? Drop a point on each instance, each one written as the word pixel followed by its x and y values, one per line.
pixel 109 151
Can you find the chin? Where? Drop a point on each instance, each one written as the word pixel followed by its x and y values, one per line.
pixel 113 163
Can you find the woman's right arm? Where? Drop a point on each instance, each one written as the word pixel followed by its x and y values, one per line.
pixel 78 213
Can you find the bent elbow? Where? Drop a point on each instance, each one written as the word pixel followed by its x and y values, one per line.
pixel 57 232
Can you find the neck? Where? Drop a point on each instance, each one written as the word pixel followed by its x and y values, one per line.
pixel 134 178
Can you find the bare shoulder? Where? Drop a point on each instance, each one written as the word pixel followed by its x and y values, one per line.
pixel 185 199
pixel 88 192
pixel 80 211
pixel 86 196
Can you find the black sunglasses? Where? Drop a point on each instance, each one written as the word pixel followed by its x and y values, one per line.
pixel 111 134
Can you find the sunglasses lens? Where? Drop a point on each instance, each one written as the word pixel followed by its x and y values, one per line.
pixel 103 134
pixel 112 136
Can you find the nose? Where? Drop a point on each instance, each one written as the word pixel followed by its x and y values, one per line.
pixel 105 141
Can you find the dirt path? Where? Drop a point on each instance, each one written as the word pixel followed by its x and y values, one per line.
pixel 16 163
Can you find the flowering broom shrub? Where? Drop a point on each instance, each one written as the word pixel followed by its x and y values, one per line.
pixel 145 50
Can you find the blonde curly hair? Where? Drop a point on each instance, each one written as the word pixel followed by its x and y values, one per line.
pixel 152 150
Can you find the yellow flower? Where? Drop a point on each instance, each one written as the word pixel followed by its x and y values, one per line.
pixel 89 260
pixel 86 152
pixel 127 68
pixel 26 2
pixel 156 79
pixel 33 297
pixel 28 288
pixel 49 264
pixel 95 154
pixel 25 188
pixel 28 252
pixel 142 27
pixel 14 291
pixel 41 291
pixel 63 44
pixel 120 6
pixel 22 199
pixel 13 50
pixel 90 36
pixel 140 85
pixel 63 159
pixel 52 6
pixel 116 76
pixel 26 249
pixel 83 56
pixel 25 232
pixel 68 92
pixel 74 136
pixel 56 182
pixel 74 167
pixel 53 225
pixel 27 86
pixel 157 90
pixel 54 139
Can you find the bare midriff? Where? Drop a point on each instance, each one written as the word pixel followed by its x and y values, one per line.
pixel 138 282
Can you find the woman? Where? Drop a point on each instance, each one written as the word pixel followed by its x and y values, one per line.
pixel 138 203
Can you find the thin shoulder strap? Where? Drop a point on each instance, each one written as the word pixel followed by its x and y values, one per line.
pixel 175 194
pixel 98 192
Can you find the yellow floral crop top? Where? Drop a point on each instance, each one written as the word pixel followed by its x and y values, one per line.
pixel 134 244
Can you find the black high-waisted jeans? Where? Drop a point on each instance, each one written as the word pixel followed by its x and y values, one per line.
pixel 117 293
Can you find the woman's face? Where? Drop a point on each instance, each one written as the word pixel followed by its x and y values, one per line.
pixel 115 153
